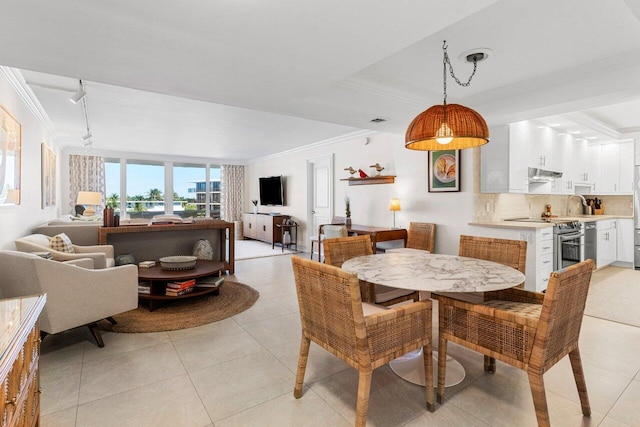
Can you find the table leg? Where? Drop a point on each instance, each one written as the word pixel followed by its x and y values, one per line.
pixel 410 368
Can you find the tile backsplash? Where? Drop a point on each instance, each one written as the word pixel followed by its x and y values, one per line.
pixel 495 207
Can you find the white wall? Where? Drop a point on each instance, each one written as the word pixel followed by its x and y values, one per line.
pixel 370 203
pixel 17 221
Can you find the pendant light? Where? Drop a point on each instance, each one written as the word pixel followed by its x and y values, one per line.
pixel 449 126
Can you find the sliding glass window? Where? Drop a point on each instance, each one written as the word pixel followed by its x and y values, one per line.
pixel 145 188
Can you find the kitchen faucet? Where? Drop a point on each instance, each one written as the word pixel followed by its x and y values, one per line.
pixel 584 202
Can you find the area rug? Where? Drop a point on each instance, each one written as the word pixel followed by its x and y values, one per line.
pixel 247 249
pixel 614 295
pixel 185 313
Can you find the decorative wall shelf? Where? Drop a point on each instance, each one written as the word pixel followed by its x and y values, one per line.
pixel 382 179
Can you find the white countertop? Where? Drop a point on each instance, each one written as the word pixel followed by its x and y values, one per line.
pixel 537 225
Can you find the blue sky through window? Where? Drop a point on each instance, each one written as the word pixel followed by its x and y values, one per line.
pixel 141 178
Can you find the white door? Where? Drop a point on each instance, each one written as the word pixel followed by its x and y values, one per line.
pixel 320 192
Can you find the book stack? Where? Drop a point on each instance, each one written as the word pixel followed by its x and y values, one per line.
pixel 180 288
pixel 146 264
pixel 210 282
pixel 144 288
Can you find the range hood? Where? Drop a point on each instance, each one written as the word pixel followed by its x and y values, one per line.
pixel 543 175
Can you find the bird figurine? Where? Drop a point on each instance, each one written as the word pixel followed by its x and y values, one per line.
pixel 351 170
pixel 363 174
pixel 378 167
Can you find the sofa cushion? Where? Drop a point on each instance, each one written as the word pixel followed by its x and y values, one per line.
pixel 61 242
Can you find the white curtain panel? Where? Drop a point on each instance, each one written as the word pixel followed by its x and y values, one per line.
pixel 86 173
pixel 231 192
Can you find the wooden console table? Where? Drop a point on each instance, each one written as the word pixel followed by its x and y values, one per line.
pixel 151 242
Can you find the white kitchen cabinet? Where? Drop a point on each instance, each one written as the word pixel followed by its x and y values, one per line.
pixel 504 160
pixel 566 163
pixel 542 143
pixel 607 247
pixel 609 168
pixel 594 163
pixel 625 237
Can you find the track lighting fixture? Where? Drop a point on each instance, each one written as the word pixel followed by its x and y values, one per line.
pixel 79 94
pixel 87 136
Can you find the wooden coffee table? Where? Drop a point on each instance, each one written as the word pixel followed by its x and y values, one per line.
pixel 158 279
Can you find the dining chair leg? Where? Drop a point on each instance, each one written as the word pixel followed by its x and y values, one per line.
pixel 364 388
pixel 427 358
pixel 490 364
pixel 539 398
pixel 578 374
pixel 442 366
pixel 302 366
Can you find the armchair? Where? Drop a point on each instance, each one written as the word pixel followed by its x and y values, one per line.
pixel 76 296
pixel 102 255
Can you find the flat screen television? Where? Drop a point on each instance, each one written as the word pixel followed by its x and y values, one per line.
pixel 272 191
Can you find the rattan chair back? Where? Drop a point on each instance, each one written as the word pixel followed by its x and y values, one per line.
pixel 341 249
pixel 512 253
pixel 422 235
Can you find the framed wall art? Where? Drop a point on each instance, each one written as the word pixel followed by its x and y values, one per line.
pixel 10 157
pixel 48 177
pixel 444 171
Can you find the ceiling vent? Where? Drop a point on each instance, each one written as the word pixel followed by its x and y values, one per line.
pixel 378 120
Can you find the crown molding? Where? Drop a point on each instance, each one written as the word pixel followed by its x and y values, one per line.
pixel 341 138
pixel 19 84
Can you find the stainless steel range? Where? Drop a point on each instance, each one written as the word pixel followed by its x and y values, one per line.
pixel 568 244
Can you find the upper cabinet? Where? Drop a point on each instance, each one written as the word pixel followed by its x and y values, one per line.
pixel 586 168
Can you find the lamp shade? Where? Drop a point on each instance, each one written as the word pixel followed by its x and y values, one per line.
pixel 447 127
pixel 394 204
pixel 13 196
pixel 89 198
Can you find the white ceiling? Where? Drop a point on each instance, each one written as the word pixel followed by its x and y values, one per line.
pixel 245 79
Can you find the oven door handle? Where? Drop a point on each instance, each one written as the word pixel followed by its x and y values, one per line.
pixel 564 237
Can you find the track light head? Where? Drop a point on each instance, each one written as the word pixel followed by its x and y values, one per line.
pixel 87 136
pixel 76 97
pixel 87 143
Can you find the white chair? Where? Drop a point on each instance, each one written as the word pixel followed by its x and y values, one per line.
pixel 102 255
pixel 317 239
pixel 76 294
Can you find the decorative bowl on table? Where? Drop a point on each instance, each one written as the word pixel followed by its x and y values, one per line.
pixel 179 262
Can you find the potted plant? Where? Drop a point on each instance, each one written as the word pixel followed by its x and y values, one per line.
pixel 255 206
pixel 347 210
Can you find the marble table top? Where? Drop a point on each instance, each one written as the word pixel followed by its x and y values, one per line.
pixel 420 270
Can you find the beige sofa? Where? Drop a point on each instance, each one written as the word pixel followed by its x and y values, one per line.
pixel 84 233
pixel 102 255
pixel 76 296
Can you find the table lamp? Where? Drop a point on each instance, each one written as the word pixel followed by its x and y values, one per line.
pixel 13 196
pixel 90 199
pixel 394 205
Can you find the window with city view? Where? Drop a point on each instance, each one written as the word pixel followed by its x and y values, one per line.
pixel 146 192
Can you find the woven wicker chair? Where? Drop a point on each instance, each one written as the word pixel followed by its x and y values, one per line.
pixel 332 316
pixel 339 250
pixel 531 331
pixel 422 235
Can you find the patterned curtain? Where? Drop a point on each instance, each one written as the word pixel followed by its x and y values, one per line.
pixel 231 192
pixel 86 173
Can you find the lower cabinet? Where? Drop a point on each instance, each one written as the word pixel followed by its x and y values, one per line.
pixel 607 246
pixel 262 227
pixel 625 240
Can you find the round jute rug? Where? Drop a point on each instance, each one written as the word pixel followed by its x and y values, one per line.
pixel 185 313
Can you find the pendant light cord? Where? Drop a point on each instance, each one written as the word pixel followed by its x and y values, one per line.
pixel 446 62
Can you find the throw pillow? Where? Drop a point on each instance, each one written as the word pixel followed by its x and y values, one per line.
pixel 62 243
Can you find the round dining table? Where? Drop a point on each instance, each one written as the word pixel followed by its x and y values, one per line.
pixel 422 271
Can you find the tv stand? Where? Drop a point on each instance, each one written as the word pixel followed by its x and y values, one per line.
pixel 263 227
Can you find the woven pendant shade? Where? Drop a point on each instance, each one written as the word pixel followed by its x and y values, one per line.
pixel 465 126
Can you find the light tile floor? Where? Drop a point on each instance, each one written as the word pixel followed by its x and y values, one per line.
pixel 240 372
